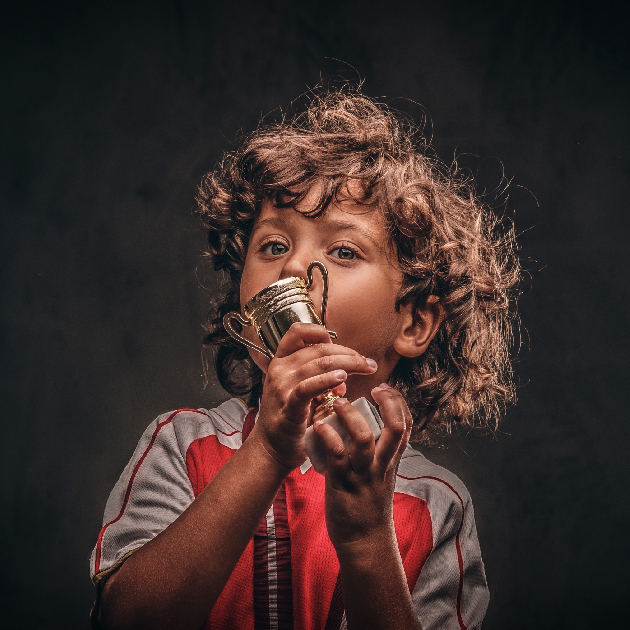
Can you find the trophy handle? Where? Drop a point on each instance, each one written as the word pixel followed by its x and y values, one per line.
pixel 309 276
pixel 228 326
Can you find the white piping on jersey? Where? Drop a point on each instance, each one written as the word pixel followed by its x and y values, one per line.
pixel 273 569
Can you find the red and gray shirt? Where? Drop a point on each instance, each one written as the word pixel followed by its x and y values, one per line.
pixel 288 575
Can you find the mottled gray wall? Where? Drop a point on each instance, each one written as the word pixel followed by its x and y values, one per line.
pixel 111 114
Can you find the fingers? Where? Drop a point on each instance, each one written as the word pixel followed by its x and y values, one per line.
pixel 318 367
pixel 337 460
pixel 351 364
pixel 309 388
pixel 347 450
pixel 301 335
pixel 328 372
pixel 306 365
pixel 397 423
pixel 308 339
pixel 340 390
pixel 361 437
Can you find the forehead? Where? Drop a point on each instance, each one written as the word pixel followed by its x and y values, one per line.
pixel 343 212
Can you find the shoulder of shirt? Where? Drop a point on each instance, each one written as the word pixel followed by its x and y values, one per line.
pixel 230 414
pixel 420 477
pixel 181 427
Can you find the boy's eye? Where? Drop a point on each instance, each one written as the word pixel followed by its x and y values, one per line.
pixel 275 249
pixel 343 253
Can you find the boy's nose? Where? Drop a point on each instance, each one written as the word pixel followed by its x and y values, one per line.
pixel 296 265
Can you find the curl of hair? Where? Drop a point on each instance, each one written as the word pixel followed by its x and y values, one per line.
pixel 444 240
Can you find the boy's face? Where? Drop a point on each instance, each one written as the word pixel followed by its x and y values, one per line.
pixel 353 243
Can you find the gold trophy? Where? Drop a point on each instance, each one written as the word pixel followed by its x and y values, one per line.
pixel 271 312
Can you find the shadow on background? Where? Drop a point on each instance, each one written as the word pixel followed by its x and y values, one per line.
pixel 111 115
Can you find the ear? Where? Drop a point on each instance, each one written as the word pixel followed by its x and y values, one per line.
pixel 417 332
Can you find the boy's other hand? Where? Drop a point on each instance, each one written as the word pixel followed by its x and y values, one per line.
pixel 360 483
pixel 305 365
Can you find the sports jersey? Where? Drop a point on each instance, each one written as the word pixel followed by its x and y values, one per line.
pixel 288 575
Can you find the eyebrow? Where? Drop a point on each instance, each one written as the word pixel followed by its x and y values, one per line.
pixel 276 222
pixel 346 225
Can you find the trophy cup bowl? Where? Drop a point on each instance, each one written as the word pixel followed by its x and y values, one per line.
pixel 273 310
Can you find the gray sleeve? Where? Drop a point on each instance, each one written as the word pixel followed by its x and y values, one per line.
pixel 153 490
pixel 451 592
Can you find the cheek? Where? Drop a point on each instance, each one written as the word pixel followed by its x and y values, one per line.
pixel 254 278
pixel 247 290
pixel 365 320
pixel 259 359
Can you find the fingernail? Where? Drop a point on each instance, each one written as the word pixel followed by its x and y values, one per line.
pixel 340 375
pixel 372 363
pixel 342 401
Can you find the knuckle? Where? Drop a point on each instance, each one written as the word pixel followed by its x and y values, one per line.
pixel 363 437
pixel 324 363
pixel 298 330
pixel 300 389
pixel 338 451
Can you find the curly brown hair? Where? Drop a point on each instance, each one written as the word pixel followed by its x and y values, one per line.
pixel 445 241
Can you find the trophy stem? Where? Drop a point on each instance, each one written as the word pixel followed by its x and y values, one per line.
pixel 324 405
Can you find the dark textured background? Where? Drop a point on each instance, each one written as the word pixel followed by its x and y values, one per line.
pixel 111 114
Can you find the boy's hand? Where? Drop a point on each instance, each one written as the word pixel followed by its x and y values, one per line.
pixel 360 483
pixel 306 364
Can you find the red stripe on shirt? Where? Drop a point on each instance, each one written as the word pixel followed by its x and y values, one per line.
pixel 458 547
pixel 314 562
pixel 283 560
pixel 99 542
pixel 262 619
pixel 204 459
pixel 261 577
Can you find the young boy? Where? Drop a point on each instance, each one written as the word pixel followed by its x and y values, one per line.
pixel 218 521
